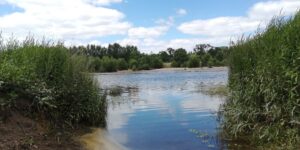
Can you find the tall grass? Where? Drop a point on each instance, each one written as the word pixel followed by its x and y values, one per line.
pixel 265 86
pixel 53 82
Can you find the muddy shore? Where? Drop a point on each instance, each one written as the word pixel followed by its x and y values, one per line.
pixel 19 132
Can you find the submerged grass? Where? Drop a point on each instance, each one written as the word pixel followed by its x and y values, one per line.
pixel 52 81
pixel 264 83
pixel 218 90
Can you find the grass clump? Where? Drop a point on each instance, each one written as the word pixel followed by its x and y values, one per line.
pixel 218 90
pixel 52 81
pixel 115 91
pixel 264 83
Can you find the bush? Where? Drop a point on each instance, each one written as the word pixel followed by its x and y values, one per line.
pixel 193 61
pixel 122 64
pixel 54 82
pixel 156 62
pixel 264 84
pixel 174 64
pixel 108 64
pixel 133 64
pixel 94 64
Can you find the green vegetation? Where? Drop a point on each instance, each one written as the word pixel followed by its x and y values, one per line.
pixel 264 81
pixel 116 57
pixel 194 61
pixel 219 90
pixel 46 81
pixel 115 91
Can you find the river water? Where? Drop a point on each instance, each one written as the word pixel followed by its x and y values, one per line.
pixel 164 109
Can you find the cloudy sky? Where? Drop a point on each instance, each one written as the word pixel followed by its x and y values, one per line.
pixel 152 25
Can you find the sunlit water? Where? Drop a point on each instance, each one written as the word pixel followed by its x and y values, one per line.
pixel 164 110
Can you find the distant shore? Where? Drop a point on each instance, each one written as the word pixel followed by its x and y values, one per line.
pixel 169 69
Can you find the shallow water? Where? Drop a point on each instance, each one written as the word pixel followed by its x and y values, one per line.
pixel 164 110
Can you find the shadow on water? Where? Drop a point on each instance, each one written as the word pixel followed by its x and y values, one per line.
pixel 162 110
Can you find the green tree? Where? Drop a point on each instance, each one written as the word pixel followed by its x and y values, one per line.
pixel 164 56
pixel 180 56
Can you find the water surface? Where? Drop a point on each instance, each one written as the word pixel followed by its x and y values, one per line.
pixel 164 110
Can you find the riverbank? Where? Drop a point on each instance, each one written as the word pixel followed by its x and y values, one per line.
pixel 99 140
pixel 21 132
pixel 45 97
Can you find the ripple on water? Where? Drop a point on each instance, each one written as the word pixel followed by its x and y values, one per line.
pixel 162 109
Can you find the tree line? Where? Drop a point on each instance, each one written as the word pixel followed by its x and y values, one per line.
pixel 116 57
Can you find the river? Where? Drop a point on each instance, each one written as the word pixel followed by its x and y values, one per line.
pixel 163 109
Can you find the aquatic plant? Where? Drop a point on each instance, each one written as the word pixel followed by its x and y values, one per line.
pixel 264 82
pixel 217 90
pixel 115 91
pixel 209 140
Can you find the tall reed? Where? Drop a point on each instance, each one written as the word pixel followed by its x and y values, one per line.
pixel 264 81
pixel 53 81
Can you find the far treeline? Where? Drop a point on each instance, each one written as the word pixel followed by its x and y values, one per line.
pixel 116 57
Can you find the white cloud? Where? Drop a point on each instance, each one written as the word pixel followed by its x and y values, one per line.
pixel 266 10
pixel 151 32
pixel 216 31
pixel 181 12
pixel 83 21
pixel 67 19
pixel 104 2
pixel 219 26
pixel 155 45
pixel 259 14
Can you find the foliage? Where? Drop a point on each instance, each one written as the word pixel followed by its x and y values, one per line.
pixel 218 90
pixel 264 83
pixel 108 64
pixel 133 64
pixel 180 56
pixel 107 59
pixel 53 81
pixel 122 64
pixel 194 61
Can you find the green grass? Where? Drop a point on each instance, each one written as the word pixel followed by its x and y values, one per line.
pixel 53 81
pixel 264 104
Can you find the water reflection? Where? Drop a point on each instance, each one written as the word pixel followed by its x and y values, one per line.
pixel 158 109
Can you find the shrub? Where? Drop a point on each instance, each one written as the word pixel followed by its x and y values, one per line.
pixel 193 61
pixel 156 62
pixel 122 64
pixel 108 64
pixel 133 64
pixel 174 64
pixel 94 64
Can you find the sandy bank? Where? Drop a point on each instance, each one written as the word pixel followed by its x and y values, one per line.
pixel 98 140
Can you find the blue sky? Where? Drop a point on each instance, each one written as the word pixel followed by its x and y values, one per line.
pixel 152 25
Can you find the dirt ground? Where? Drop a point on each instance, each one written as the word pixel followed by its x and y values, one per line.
pixel 22 133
